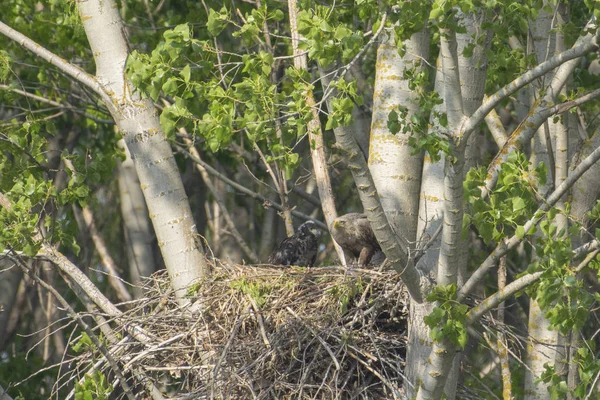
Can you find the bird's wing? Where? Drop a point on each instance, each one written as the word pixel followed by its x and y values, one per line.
pixel 286 253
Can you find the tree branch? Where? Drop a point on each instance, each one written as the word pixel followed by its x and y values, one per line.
pixel 315 135
pixel 394 250
pixel 56 104
pixel 452 90
pixel 243 189
pixel 503 247
pixel 583 46
pixel 70 69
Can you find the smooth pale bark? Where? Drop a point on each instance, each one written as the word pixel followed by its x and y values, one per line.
pixel 396 173
pixel 440 360
pixel 431 210
pixel 4 395
pixel 137 121
pixel 584 195
pixel 586 190
pixel 151 153
pixel 542 343
pixel 136 224
pixel 460 81
pixel 473 75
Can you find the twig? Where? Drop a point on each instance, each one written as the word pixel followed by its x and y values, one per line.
pixel 57 104
pixel 319 338
pixel 289 226
pixel 113 364
pixel 245 190
pixel 228 220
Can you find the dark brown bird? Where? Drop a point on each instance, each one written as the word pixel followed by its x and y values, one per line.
pixel 354 235
pixel 299 249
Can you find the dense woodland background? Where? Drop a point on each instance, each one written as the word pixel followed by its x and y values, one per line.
pixel 185 139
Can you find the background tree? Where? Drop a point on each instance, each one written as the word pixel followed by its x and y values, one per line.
pixel 482 149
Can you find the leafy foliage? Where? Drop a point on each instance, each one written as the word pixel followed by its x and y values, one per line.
pixel 448 318
pixel 95 386
pixel 510 204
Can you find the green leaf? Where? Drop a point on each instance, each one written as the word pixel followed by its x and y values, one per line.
pixel 278 15
pixel 435 13
pixel 186 73
pixel 216 22
pixel 520 232
pixel 518 204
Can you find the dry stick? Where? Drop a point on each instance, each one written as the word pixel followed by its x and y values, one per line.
pixel 281 191
pixel 261 322
pixel 92 335
pixel 234 333
pixel 243 189
pixel 315 136
pixel 502 345
pixel 113 275
pixel 228 220
pixel 101 248
pixel 301 193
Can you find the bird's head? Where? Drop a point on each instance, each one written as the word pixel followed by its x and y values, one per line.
pixel 309 227
pixel 338 224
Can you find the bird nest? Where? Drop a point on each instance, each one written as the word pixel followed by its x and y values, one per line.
pixel 274 333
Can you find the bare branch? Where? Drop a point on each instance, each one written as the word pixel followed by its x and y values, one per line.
pixel 230 224
pixel 243 189
pixel 56 104
pixel 583 46
pixel 494 124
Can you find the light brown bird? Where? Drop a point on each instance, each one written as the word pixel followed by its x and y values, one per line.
pixel 354 235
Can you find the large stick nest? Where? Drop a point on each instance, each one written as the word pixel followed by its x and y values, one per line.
pixel 273 333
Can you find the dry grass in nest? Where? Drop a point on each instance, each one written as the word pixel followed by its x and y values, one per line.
pixel 276 333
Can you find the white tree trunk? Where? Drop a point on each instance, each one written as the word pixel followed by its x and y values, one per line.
pixel 137 120
pixel 543 341
pixel 396 173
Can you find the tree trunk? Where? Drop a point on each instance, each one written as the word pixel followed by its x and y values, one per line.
pixel 136 224
pixel 396 173
pixel 151 153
